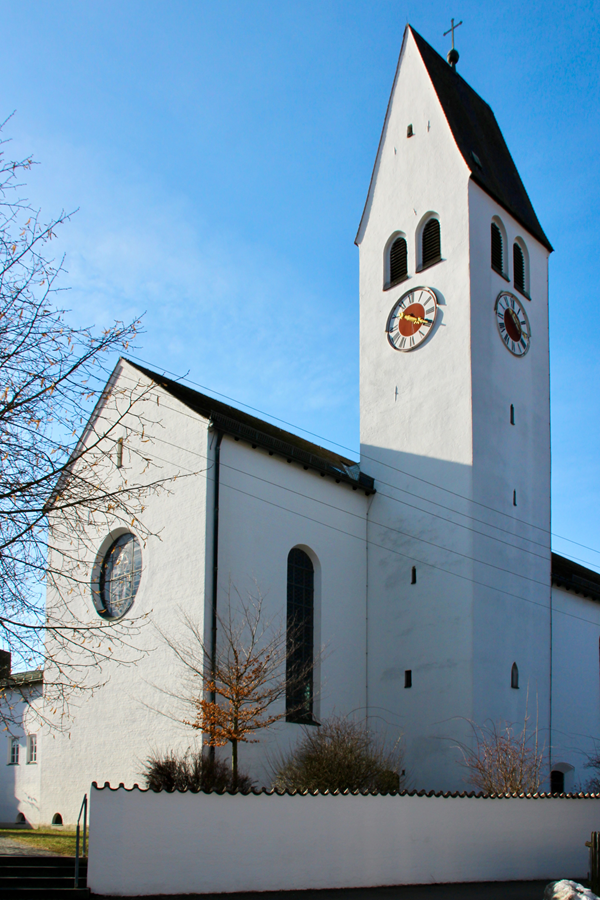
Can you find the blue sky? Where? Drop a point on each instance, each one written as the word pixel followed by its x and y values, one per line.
pixel 219 154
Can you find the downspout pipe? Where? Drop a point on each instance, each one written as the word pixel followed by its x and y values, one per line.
pixel 215 560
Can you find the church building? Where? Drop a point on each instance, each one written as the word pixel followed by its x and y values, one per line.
pixel 421 573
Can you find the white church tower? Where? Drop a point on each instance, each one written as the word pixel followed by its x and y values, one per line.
pixel 455 424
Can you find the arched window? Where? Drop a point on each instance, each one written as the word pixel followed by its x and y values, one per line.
pixel 519 267
pixel 497 250
pixel 557 782
pixel 57 819
pixel 514 676
pixel 397 263
pixel 300 637
pixel 431 249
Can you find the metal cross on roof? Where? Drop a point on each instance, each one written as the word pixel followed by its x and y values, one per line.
pixel 452 29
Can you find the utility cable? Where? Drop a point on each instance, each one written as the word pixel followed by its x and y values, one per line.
pixel 373 459
pixel 194 417
pixel 375 544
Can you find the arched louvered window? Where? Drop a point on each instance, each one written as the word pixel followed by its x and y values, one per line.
pixel 519 268
pixel 300 636
pixel 514 676
pixel 398 261
pixel 497 250
pixel 431 250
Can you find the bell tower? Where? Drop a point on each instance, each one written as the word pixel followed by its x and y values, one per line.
pixel 455 426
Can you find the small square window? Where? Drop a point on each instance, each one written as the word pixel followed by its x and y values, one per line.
pixel 31 748
pixel 14 752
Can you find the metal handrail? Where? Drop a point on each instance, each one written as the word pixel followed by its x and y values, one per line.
pixel 83 809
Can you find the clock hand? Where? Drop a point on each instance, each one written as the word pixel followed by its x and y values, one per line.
pixel 408 318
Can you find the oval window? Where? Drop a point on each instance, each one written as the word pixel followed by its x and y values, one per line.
pixel 120 576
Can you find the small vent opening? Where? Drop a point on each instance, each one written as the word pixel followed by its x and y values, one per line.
pixel 120 453
pixel 514 676
pixel 413 575
pixel 408 678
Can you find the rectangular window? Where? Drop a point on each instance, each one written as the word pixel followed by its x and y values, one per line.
pixel 32 748
pixel 408 678
pixel 14 752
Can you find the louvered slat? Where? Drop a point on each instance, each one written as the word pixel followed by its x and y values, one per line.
pixel 497 254
pixel 519 268
pixel 398 260
pixel 431 242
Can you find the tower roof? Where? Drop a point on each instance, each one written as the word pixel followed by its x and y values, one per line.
pixel 479 139
pixel 476 131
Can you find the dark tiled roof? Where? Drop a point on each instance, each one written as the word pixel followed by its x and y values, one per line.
pixel 17 679
pixel 273 792
pixel 573 577
pixel 476 131
pixel 259 433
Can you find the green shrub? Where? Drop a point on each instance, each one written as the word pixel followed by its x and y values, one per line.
pixel 340 754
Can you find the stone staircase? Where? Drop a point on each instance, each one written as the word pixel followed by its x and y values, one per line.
pixel 51 877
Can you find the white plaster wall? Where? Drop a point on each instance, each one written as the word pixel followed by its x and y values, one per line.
pixel 416 440
pixel 511 619
pixel 20 784
pixel 111 731
pixel 267 507
pixel 205 843
pixel 575 684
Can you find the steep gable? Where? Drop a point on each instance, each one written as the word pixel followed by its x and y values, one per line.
pixel 477 136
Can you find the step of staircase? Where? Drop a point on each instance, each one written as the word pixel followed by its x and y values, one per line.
pixel 26 877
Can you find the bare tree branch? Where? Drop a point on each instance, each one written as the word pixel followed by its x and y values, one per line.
pixel 58 491
pixel 504 760
pixel 235 692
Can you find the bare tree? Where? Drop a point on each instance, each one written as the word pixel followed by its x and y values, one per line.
pixel 505 761
pixel 238 688
pixel 55 488
pixel 193 770
pixel 593 762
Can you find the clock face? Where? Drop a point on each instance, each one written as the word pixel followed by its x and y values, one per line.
pixel 411 319
pixel 513 324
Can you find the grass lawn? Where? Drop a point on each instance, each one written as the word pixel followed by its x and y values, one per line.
pixel 62 842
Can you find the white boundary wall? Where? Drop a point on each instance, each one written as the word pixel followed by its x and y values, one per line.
pixel 148 843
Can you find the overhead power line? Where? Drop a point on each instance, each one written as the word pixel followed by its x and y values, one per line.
pixel 374 459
